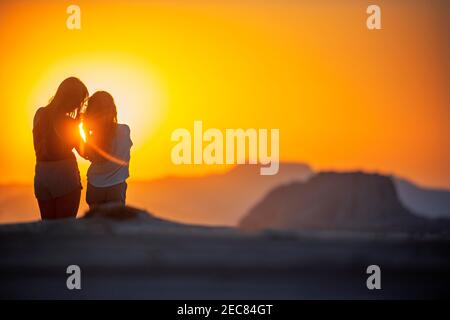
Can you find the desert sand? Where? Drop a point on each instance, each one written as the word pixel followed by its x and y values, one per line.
pixel 128 253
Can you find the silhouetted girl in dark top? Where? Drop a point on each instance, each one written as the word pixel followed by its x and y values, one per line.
pixel 57 184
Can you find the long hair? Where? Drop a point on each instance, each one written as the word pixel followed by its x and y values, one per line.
pixel 100 118
pixel 69 97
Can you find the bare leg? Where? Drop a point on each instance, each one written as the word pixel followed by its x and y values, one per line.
pixel 67 206
pixel 47 209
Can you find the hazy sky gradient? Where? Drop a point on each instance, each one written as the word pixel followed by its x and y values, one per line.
pixel 343 97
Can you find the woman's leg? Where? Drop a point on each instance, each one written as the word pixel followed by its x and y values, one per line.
pixel 47 209
pixel 67 206
pixel 95 196
pixel 117 193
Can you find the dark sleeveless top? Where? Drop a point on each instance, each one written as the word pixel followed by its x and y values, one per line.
pixel 54 135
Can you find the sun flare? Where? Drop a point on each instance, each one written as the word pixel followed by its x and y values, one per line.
pixel 82 133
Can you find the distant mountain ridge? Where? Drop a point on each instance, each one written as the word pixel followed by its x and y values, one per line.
pixel 218 199
pixel 432 203
pixel 353 201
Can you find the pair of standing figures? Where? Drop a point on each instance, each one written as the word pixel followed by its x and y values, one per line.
pixel 73 120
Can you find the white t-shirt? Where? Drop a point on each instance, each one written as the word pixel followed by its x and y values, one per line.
pixel 109 173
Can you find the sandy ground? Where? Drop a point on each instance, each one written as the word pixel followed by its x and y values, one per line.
pixel 148 258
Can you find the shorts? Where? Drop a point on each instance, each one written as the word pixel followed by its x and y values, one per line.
pixel 54 179
pixel 101 195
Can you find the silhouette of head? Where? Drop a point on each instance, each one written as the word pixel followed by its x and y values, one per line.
pixel 100 118
pixel 70 96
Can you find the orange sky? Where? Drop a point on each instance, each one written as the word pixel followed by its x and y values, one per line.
pixel 342 96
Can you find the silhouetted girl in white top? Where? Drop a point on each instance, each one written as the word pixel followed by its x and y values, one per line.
pixel 108 145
